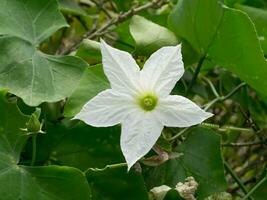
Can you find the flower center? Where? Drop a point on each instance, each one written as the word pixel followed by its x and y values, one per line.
pixel 148 102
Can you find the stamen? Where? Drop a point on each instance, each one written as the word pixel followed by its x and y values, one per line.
pixel 148 102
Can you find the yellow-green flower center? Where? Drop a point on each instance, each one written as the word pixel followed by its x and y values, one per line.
pixel 148 102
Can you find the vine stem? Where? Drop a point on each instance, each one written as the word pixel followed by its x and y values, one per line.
pixel 255 188
pixel 113 166
pixel 223 98
pixel 34 137
pixel 235 177
pixel 243 144
pixel 225 128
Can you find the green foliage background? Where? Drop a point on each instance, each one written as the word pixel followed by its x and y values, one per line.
pixel 50 61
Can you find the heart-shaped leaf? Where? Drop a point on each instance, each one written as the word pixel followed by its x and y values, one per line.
pixel 38 77
pixel 24 182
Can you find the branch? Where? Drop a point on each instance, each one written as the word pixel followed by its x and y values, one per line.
pixel 114 21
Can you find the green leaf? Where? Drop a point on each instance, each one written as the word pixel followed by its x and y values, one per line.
pixel 226 36
pixel 92 82
pixel 149 36
pixel 31 20
pixel 117 183
pixel 25 71
pixel 71 7
pixel 201 156
pixel 80 146
pixel 35 76
pixel 259 18
pixel 24 182
pixel 89 50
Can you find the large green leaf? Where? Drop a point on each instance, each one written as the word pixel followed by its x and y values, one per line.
pixel 35 76
pixel 149 36
pixel 92 82
pixel 25 71
pixel 201 158
pixel 24 182
pixel 30 20
pixel 226 36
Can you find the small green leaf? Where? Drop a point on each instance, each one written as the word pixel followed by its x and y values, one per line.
pixel 71 7
pixel 149 36
pixel 92 82
pixel 89 50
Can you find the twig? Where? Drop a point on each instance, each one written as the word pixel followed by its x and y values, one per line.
pixel 114 21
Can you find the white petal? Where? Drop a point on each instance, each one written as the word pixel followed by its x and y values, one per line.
pixel 108 108
pixel 178 111
pixel 120 68
pixel 162 70
pixel 140 132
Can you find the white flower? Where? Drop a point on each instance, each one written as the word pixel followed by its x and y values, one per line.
pixel 140 100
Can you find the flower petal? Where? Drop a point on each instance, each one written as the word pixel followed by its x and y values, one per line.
pixel 106 109
pixel 178 111
pixel 162 70
pixel 120 68
pixel 140 131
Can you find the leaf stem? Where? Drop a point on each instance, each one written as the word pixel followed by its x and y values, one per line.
pixel 199 65
pixel 34 137
pixel 255 188
pixel 113 166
